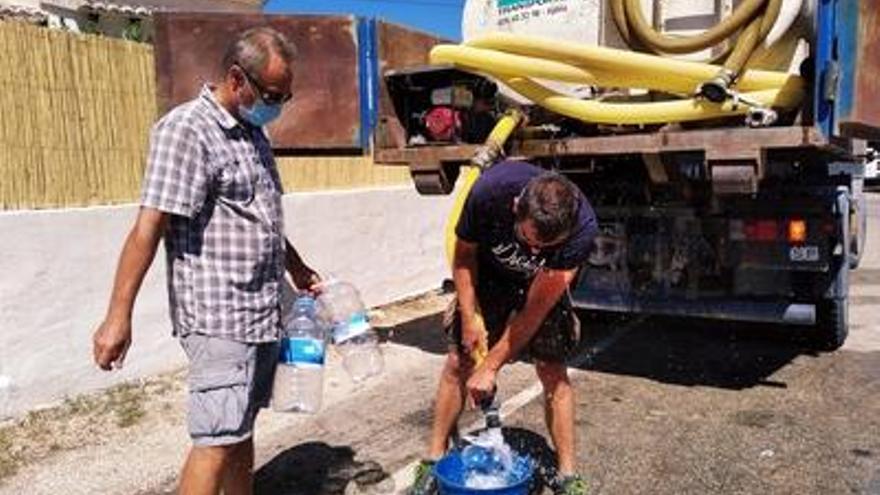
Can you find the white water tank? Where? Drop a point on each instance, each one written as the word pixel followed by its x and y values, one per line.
pixel 591 22
pixel 570 20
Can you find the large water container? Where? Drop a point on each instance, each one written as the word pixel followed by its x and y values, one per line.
pixel 567 20
pixel 299 377
pixel 591 22
pixel 341 308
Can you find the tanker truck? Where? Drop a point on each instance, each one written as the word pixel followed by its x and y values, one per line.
pixel 723 148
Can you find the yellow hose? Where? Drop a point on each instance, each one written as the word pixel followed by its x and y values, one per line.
pixel 641 113
pixel 510 64
pixel 499 135
pixel 630 20
pixel 753 18
pixel 607 67
pixel 515 60
pixel 494 144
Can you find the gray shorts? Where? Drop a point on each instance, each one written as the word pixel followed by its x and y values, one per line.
pixel 228 383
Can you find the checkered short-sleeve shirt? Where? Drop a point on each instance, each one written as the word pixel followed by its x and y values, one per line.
pixel 225 244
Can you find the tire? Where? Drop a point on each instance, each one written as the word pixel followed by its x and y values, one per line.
pixel 832 324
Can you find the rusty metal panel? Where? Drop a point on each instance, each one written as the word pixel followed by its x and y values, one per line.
pixel 325 112
pixel 398 48
pixel 858 101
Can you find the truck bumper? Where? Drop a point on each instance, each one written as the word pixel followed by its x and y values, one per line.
pixel 734 310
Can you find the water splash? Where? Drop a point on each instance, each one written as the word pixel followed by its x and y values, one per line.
pixel 488 461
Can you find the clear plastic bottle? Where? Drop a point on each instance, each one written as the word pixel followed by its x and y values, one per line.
pixel 299 377
pixel 340 307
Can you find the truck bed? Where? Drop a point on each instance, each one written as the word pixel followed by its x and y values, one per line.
pixel 716 143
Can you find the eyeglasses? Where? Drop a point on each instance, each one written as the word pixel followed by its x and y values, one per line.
pixel 268 97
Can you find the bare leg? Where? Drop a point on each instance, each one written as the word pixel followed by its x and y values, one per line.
pixel 559 412
pixel 203 471
pixel 447 404
pixel 239 476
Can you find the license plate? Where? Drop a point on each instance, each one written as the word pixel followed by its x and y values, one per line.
pixel 803 253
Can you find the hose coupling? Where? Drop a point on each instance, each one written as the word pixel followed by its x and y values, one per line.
pixel 717 89
pixel 757 115
pixel 760 117
pixel 486 155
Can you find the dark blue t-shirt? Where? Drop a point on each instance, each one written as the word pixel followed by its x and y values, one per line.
pixel 488 220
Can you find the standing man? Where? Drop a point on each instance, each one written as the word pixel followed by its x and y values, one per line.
pixel 521 238
pixel 213 192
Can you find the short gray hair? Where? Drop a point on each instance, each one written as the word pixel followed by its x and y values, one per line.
pixel 253 48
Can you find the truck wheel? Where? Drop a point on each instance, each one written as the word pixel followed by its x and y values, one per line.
pixel 832 324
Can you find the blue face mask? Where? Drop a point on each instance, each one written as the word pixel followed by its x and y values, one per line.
pixel 260 114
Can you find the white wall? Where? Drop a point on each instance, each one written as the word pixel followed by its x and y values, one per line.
pixel 56 270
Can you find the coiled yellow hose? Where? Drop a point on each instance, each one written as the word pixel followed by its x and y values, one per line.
pixel 754 18
pixel 519 60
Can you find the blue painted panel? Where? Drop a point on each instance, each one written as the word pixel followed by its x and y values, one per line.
pixel 847 36
pixel 847 32
pixel 824 57
pixel 368 89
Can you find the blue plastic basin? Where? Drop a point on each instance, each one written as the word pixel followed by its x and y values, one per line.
pixel 450 474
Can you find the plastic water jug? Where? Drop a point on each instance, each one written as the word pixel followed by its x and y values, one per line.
pixel 299 377
pixel 340 308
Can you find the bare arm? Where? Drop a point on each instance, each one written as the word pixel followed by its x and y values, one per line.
pixel 303 277
pixel 113 337
pixel 545 291
pixel 464 275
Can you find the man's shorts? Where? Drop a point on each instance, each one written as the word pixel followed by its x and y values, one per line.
pixel 228 383
pixel 555 341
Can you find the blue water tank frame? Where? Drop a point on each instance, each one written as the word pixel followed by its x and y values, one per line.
pixel 837 53
pixel 368 76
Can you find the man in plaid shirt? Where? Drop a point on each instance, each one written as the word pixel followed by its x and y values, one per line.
pixel 213 192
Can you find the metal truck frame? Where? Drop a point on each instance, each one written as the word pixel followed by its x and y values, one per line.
pixel 725 222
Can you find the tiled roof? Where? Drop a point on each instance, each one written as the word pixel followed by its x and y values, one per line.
pixel 118 8
pixel 22 13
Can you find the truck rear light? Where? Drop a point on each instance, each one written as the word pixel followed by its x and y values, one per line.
pixel 797 231
pixel 762 230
